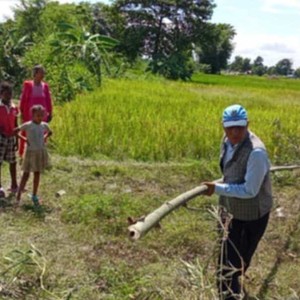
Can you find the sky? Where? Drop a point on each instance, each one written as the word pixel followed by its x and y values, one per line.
pixel 267 28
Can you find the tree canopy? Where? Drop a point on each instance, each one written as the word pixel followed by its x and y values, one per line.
pixel 215 46
pixel 80 43
pixel 284 67
pixel 164 31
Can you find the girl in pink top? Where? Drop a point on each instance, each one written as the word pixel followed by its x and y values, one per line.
pixel 35 92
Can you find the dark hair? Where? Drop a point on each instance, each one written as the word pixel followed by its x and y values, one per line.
pixel 37 68
pixel 36 108
pixel 5 86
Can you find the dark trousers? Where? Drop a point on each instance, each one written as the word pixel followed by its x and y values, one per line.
pixel 236 253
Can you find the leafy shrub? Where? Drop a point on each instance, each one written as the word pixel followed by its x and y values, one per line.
pixel 203 68
pixel 176 66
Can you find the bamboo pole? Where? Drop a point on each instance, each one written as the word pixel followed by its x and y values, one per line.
pixel 144 224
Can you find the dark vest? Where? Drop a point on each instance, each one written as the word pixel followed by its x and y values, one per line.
pixel 234 171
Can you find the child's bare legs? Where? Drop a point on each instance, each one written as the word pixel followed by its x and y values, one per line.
pixel 23 182
pixel 36 182
pixel 2 194
pixel 13 176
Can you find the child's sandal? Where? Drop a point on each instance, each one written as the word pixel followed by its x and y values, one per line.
pixel 35 199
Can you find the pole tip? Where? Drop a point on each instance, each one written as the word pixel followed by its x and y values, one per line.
pixel 133 233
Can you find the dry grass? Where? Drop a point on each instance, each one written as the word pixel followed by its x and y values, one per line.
pixel 83 251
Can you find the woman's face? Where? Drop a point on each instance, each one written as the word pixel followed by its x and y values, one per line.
pixel 39 75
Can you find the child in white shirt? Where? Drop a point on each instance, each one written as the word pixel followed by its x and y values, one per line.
pixel 36 156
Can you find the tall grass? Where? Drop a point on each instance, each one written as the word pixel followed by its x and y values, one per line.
pixel 162 120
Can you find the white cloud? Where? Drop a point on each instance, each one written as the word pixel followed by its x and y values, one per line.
pixel 6 8
pixel 277 47
pixel 280 6
pixel 269 28
pixel 271 47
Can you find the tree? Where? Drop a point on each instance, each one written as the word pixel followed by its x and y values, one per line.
pixel 11 52
pixel 165 30
pixel 271 70
pixel 241 64
pixel 237 64
pixel 258 67
pixel 284 67
pixel 76 43
pixel 297 73
pixel 103 19
pixel 27 15
pixel 246 65
pixel 216 46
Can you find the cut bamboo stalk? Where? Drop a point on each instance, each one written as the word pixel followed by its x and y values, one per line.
pixel 143 225
pixel 284 168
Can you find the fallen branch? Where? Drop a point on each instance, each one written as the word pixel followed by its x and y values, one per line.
pixel 144 224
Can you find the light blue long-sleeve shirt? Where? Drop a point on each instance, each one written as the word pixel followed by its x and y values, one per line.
pixel 257 167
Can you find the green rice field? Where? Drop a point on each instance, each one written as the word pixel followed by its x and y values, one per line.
pixel 167 121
